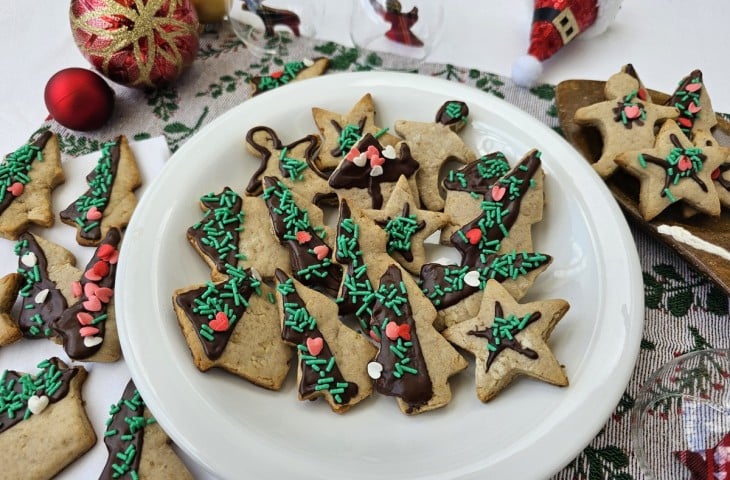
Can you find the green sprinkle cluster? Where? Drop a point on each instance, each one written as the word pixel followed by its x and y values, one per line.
pixel 31 277
pixel 400 230
pixel 506 329
pixel 293 167
pixel 15 392
pixel 100 184
pixel 356 284
pixel 489 167
pixel 288 73
pixel 349 135
pixel 124 460
pixel 17 166
pixel 217 222
pixel 683 99
pixel 393 297
pixel 628 101
pixel 671 166
pixel 453 110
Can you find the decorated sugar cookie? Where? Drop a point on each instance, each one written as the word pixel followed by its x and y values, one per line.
pixel 43 424
pixel 626 120
pixel 9 289
pixel 27 178
pixel 290 72
pixel 433 144
pixel 332 358
pixel 510 339
pixel 110 200
pixel 690 98
pixel 675 169
pixel 414 362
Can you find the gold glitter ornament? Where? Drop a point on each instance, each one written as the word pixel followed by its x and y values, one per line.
pixel 137 43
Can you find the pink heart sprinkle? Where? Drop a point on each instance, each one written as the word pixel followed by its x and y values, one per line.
pixel 321 251
pixel 315 345
pixel 104 294
pixel 16 189
pixel 76 289
pixel 91 275
pixel 393 331
pixel 90 289
pixel 93 214
pixel 101 268
pixel 84 318
pixel 693 87
pixel 498 192
pixel 352 154
pixel 693 107
pixel 93 304
pixel 220 323
pixel 372 152
pixel 632 111
pixel 88 331
pixel 303 237
pixel 684 163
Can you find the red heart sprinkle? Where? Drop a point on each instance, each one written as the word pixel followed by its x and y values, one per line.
pixel 632 111
pixel 91 275
pixel 321 251
pixel 693 87
pixel 315 345
pixel 93 304
pixel 93 214
pixel 90 289
pixel 715 174
pixel 376 162
pixel 642 94
pixel 16 189
pixel 277 74
pixel 105 251
pixel 220 323
pixel 101 268
pixel 474 235
pixel 303 237
pixel 393 331
pixel 684 122
pixel 352 154
pixel 104 294
pixel 76 289
pixel 88 331
pixel 693 107
pixel 684 163
pixel 498 192
pixel 84 318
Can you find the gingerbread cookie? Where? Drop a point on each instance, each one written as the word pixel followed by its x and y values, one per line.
pixel 341 132
pixel 292 164
pixel 690 98
pixel 368 173
pixel 236 231
pixel 407 226
pixel 510 339
pixel 43 424
pixel 299 226
pixel 497 244
pixel 88 327
pixel 110 200
pixel 675 169
pixel 433 144
pixel 625 120
pixel 9 289
pixel 465 188
pixel 414 362
pixel 137 445
pixel 27 178
pixel 290 72
pixel 332 358
pixel 233 325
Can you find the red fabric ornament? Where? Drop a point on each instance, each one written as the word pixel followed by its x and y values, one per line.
pixel 79 99
pixel 710 464
pixel 137 43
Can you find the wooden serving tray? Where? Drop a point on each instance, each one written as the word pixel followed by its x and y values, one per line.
pixel 573 94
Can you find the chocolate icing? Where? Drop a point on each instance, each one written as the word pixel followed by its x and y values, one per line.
pixel 476 176
pixel 662 162
pixel 443 117
pixel 40 143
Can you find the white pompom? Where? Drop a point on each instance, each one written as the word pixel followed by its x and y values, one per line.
pixel 526 71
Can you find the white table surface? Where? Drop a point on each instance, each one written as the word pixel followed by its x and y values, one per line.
pixel 664 39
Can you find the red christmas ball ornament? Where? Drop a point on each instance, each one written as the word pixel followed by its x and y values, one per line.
pixel 137 43
pixel 79 99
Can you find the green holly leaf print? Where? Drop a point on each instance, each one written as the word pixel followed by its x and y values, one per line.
pixel 164 102
pixel 328 48
pixel 76 145
pixel 647 344
pixel 653 292
pixel 177 132
pixel 680 303
pixel 667 271
pixel 717 301
pixel 545 91
pixel 141 136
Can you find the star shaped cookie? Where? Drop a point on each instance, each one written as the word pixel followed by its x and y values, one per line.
pixel 509 339
pixel 625 120
pixel 407 226
pixel 675 169
pixel 9 289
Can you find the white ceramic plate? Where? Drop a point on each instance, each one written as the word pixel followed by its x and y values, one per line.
pixel 531 430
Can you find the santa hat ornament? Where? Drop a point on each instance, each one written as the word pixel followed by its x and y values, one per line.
pixel 554 24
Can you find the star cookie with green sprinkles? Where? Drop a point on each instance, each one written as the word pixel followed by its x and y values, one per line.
pixel 110 200
pixel 692 101
pixel 27 177
pixel 292 164
pixel 43 423
pixel 675 169
pixel 407 226
pixel 433 144
pixel 288 73
pixel 9 289
pixel 233 325
pixel 341 132
pixel 626 119
pixel 509 339
pixel 332 358
pixel 137 445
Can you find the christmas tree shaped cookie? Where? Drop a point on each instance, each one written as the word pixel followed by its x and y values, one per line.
pixel 233 325
pixel 626 120
pixel 292 164
pixel 137 445
pixel 298 225
pixel 341 132
pixel 9 289
pixel 433 144
pixel 675 169
pixel 110 200
pixel 692 101
pixel 407 226
pixel 414 362
pixel 332 358
pixel 510 339
pixel 27 178
pixel 497 244
pixel 43 424
pixel 289 72
pixel 234 231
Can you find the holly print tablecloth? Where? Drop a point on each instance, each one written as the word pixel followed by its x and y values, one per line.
pixel 684 311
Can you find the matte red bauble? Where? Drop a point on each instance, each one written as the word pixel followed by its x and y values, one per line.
pixel 79 99
pixel 137 43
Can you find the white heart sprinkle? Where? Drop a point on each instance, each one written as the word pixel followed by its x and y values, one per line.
pixel 41 296
pixel 472 278
pixel 255 274
pixel 29 259
pixel 308 62
pixel 37 404
pixel 360 160
pixel 445 261
pixel 376 171
pixel 389 152
pixel 375 370
pixel 92 341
